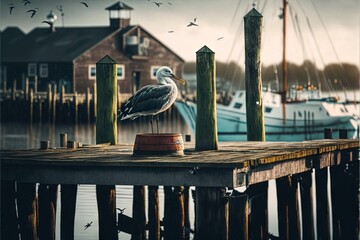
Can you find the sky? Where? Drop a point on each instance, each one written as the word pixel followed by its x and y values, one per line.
pixel 334 23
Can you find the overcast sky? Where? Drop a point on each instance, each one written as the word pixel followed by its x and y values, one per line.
pixel 335 24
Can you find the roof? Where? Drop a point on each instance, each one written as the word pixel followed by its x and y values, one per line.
pixel 63 45
pixel 119 6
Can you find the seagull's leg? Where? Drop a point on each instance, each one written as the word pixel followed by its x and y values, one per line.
pixel 151 122
pixel 157 123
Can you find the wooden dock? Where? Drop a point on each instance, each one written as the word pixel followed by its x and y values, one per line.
pixel 233 165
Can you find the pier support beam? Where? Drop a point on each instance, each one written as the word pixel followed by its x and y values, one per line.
pixel 211 213
pixel 27 210
pixel 174 213
pixel 154 213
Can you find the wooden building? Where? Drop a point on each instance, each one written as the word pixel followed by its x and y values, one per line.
pixel 68 55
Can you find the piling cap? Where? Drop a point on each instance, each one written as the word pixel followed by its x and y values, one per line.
pixel 253 13
pixel 204 49
pixel 106 60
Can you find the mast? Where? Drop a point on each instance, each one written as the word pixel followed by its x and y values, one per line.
pixel 285 84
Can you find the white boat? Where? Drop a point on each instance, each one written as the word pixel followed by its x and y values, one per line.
pixel 305 120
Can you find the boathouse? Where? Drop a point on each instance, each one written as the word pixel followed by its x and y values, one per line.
pixel 68 55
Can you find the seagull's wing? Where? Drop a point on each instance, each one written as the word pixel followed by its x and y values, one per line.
pixel 149 99
pixel 85 4
pixel 46 22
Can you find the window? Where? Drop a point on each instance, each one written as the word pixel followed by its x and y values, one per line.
pixel 92 71
pixel 44 70
pixel 153 71
pixel 32 69
pixel 268 109
pixel 237 105
pixel 120 71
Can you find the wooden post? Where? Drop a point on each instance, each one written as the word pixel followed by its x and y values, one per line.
pixel 253 83
pixel 9 223
pixel 75 107
pixel 106 131
pixel 68 203
pixel 62 103
pixel 88 104
pixel 211 213
pixel 95 101
pixel 322 202
pixel 187 213
pixel 305 180
pixel 238 216
pixel 174 213
pixel 206 129
pixel 26 92
pixel 36 84
pixel 288 217
pixel 47 194
pixel 258 216
pixel 27 210
pixel 139 214
pixel 48 102
pixel 54 104
pixel 31 105
pixel 13 96
pixel 153 213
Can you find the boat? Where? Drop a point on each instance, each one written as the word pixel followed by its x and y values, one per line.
pixel 305 120
pixel 288 116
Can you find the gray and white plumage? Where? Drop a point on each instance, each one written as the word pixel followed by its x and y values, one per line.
pixel 152 99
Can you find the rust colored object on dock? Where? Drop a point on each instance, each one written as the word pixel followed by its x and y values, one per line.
pixel 159 144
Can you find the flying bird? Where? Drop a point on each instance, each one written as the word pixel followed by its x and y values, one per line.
pixel 157 3
pixel 85 4
pixel 192 24
pixel 87 225
pixel 220 38
pixel 11 8
pixel 170 3
pixel 195 19
pixel 26 2
pixel 171 31
pixel 47 22
pixel 32 11
pixel 152 99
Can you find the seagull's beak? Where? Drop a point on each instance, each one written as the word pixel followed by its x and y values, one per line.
pixel 179 79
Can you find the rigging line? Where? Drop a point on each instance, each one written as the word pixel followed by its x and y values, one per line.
pixel 320 55
pixel 327 33
pixel 235 13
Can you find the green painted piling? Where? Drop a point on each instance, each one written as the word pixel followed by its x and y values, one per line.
pixel 206 129
pixel 106 131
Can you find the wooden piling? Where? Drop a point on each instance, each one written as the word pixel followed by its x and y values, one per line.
pixel 9 228
pixel 95 101
pixel 48 103
pixel 47 200
pixel 211 213
pixel 187 225
pixel 68 203
pixel 87 103
pixel 13 92
pixel 27 210
pixel 31 105
pixel 258 213
pixel 253 83
pixel 75 108
pixel 53 108
pixel 322 202
pixel 26 92
pixel 139 214
pixel 153 213
pixel 306 194
pixel 174 213
pixel 106 131
pixel 206 128
pixel 238 216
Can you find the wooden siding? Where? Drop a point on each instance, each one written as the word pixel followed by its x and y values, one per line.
pixel 158 55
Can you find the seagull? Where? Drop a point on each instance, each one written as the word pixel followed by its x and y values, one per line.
pixel 26 2
pixel 85 4
pixel 33 12
pixel 171 31
pixel 192 24
pixel 220 38
pixel 87 225
pixel 195 19
pixel 11 8
pixel 157 3
pixel 170 3
pixel 152 99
